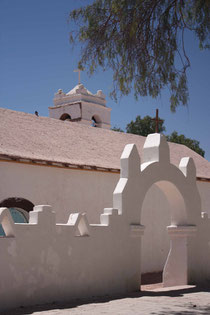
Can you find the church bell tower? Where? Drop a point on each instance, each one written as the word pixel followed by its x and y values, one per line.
pixel 81 106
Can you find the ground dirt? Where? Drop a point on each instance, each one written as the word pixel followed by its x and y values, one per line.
pixel 152 299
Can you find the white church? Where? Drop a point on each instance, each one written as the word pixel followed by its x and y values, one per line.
pixel 64 162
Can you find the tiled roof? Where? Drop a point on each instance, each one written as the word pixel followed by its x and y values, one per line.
pixel 30 137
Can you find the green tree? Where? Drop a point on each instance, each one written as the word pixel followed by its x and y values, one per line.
pixel 139 40
pixel 144 126
pixel 190 143
pixel 117 129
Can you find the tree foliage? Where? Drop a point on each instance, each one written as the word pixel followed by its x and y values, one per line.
pixel 117 129
pixel 143 126
pixel 190 143
pixel 139 40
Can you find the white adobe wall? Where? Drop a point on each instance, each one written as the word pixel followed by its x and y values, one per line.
pixel 74 110
pixel 204 190
pixel 85 111
pixel 90 110
pixel 71 191
pixel 66 190
pixel 63 188
pixel 44 262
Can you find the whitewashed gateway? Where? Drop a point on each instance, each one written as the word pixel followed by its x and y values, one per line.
pixel 73 167
pixel 42 261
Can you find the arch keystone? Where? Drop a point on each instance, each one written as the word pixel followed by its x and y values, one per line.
pixel 155 149
pixel 129 161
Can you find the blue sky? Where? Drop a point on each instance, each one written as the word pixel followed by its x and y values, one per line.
pixel 36 59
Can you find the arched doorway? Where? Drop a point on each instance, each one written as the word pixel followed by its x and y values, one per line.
pixel 161 201
pixel 179 186
pixel 19 209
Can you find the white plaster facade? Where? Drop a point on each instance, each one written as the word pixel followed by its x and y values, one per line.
pixel 82 106
pixel 62 188
pixel 78 259
pixel 66 190
pixel 204 190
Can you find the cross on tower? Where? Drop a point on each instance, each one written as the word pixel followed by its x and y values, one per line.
pixel 157 120
pixel 78 70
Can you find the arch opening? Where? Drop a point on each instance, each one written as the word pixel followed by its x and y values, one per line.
pixel 65 116
pixel 163 205
pixel 96 121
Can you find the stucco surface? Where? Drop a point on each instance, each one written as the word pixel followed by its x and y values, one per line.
pixel 71 191
pixel 204 190
pixel 66 190
pixel 188 230
pixel 63 188
pixel 43 261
